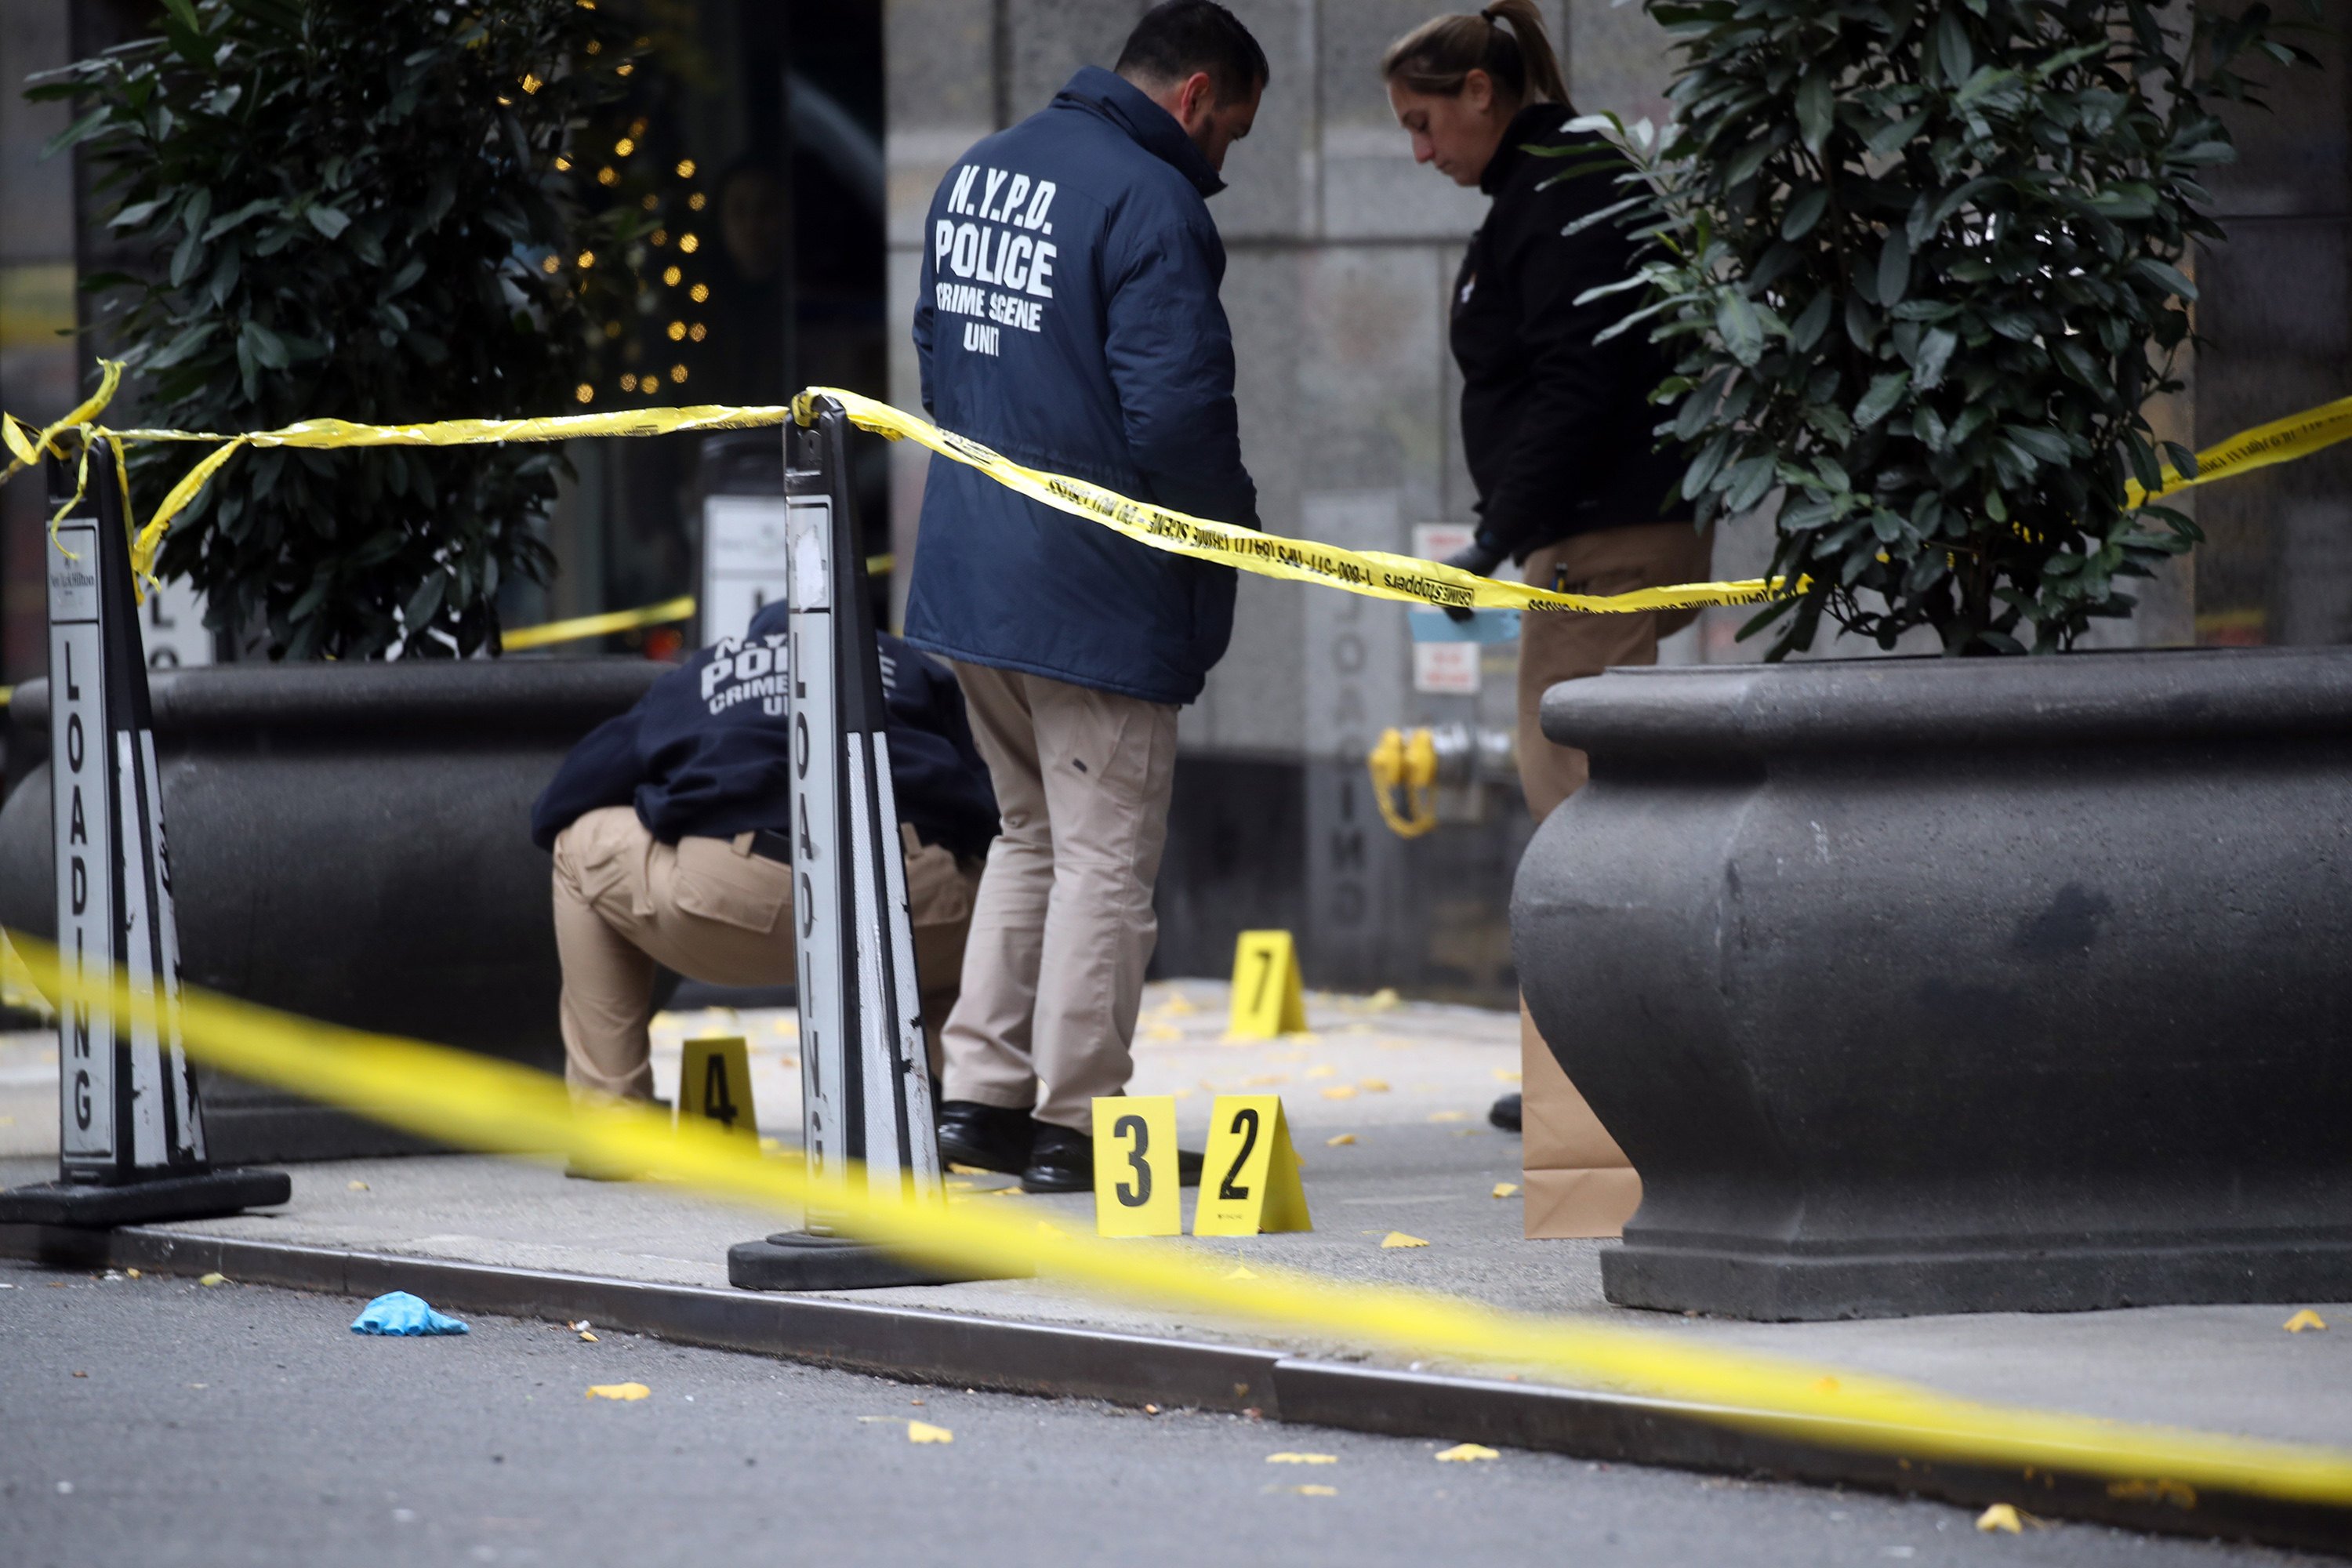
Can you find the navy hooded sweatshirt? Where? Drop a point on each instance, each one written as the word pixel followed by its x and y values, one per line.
pixel 707 751
pixel 1068 318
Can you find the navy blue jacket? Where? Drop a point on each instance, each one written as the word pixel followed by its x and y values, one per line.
pixel 706 749
pixel 1068 318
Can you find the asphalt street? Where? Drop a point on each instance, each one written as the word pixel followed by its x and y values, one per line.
pixel 159 1421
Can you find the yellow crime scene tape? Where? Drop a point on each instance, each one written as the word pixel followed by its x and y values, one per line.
pixel 476 1103
pixel 1377 573
pixel 2280 441
pixel 1373 572
pixel 579 627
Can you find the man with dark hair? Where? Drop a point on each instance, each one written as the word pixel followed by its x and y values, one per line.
pixel 1182 36
pixel 1068 318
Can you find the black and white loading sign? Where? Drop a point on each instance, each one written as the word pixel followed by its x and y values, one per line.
pixel 132 1135
pixel 864 1079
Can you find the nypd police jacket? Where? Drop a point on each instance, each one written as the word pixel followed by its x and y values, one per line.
pixel 1068 318
pixel 707 751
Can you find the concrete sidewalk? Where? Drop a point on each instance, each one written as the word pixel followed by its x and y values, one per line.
pixel 1411 1083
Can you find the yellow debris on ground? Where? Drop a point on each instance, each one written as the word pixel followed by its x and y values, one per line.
pixel 1338 1141
pixel 1463 1453
pixel 1289 1457
pixel 1340 1092
pixel 2000 1516
pixel 623 1391
pixel 1505 1189
pixel 924 1432
pixel 212 1279
pixel 2307 1319
pixel 1398 1238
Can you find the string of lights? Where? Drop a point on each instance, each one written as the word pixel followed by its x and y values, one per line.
pixel 655 275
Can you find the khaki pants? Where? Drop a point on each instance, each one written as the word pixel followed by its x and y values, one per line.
pixel 1578 1183
pixel 714 912
pixel 1064 926
pixel 1556 647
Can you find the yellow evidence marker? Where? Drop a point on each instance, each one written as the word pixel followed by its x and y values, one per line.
pixel 1136 1178
pixel 714 1083
pixel 1249 1179
pixel 1268 999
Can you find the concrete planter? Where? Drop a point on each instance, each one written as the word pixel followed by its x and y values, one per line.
pixel 1928 986
pixel 350 842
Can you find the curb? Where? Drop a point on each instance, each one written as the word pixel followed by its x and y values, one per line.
pixel 915 1345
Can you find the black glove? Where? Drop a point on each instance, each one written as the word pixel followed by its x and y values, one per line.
pixel 1479 557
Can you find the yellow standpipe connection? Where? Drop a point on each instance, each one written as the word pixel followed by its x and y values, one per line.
pixel 1409 759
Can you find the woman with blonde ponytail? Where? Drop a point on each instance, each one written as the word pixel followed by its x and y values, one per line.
pixel 1556 428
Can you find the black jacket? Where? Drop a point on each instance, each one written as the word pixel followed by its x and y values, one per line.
pixel 1556 428
pixel 707 751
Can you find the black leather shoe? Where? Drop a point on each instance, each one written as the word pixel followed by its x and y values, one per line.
pixel 1063 1161
pixel 580 1172
pixel 1060 1161
pixel 1505 1113
pixel 986 1137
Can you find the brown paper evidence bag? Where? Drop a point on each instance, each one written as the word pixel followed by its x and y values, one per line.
pixel 1577 1181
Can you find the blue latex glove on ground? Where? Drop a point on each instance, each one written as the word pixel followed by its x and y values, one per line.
pixel 402 1313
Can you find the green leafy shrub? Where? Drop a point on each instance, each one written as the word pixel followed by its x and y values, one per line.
pixel 1921 265
pixel 359 212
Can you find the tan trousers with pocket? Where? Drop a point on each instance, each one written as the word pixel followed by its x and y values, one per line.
pixel 714 912
pixel 1578 1183
pixel 1064 926
pixel 1556 647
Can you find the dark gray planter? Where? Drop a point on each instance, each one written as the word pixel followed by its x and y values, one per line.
pixel 350 842
pixel 1928 985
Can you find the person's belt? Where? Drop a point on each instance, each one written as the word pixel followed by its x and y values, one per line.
pixel 769 845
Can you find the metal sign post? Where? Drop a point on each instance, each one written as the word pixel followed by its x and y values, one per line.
pixel 866 1080
pixel 131 1134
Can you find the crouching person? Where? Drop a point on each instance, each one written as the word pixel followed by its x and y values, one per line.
pixel 670 829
